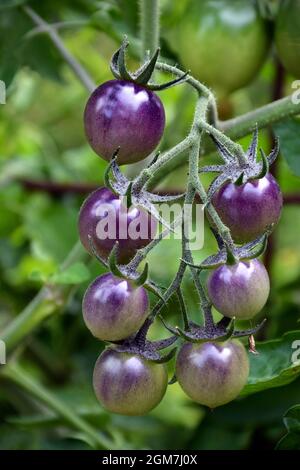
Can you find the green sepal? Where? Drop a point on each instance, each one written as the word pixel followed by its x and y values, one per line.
pixel 259 250
pixel 173 380
pixel 230 256
pixel 143 76
pixel 240 180
pixel 265 165
pixel 167 357
pixel 106 177
pixel 112 262
pixel 142 279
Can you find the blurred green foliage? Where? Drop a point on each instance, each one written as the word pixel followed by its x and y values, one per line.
pixel 42 139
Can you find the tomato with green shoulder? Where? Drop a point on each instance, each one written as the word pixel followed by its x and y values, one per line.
pixel 223 42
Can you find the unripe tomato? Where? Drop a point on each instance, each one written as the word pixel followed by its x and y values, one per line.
pixel 250 209
pixel 212 373
pixel 223 42
pixel 127 383
pixel 113 308
pixel 132 228
pixel 287 35
pixel 239 290
pixel 126 115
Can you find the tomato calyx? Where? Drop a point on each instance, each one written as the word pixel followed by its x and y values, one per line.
pixel 235 171
pixel 149 350
pixel 126 271
pixel 135 192
pixel 143 75
pixel 220 332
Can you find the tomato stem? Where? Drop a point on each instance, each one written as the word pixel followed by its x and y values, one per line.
pixel 149 27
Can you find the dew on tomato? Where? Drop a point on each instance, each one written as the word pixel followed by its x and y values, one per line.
pixel 250 209
pixel 114 308
pixel 126 115
pixel 127 383
pixel 239 290
pixel 106 220
pixel 212 373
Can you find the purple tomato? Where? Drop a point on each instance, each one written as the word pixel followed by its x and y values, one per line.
pixel 113 308
pixel 239 290
pixel 249 209
pixel 126 115
pixel 212 373
pixel 104 218
pixel 127 383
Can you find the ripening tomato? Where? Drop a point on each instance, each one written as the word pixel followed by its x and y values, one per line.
pixel 223 42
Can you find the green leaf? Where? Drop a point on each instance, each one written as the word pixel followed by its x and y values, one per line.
pixel 291 441
pixel 273 367
pixel 288 132
pixel 292 419
pixel 74 274
pixel 17 50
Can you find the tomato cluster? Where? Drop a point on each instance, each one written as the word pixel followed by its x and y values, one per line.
pixel 129 376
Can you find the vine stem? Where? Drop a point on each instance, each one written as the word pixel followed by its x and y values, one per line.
pixel 15 372
pixel 77 68
pixel 48 301
pixel 149 26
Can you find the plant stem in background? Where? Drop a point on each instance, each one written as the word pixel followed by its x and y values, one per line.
pixel 48 301
pixel 77 68
pixel 149 26
pixel 21 377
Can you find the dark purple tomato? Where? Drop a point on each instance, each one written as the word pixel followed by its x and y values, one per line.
pixel 126 115
pixel 107 220
pixel 239 290
pixel 113 308
pixel 127 383
pixel 212 373
pixel 249 209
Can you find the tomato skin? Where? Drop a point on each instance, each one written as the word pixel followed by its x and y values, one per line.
pixel 114 308
pixel 212 373
pixel 239 290
pixel 287 36
pixel 223 42
pixel 93 211
pixel 127 383
pixel 126 115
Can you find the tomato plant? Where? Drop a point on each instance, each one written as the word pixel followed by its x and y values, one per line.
pixel 171 320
